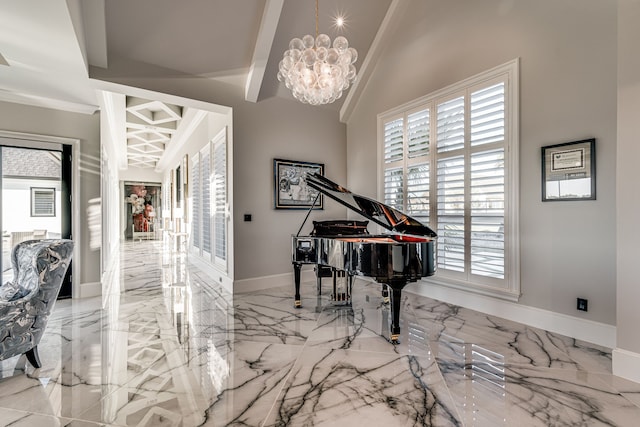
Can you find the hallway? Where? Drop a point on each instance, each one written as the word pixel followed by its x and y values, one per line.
pixel 167 347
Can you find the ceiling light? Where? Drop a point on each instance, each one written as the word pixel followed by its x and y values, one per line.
pixel 315 71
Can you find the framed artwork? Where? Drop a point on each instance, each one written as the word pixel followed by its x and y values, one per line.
pixel 290 185
pixel 569 171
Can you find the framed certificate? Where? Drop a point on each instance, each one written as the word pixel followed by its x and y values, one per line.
pixel 569 171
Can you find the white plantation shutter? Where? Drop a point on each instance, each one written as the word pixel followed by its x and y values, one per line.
pixel 418 133
pixel 393 141
pixel 43 201
pixel 210 182
pixel 451 213
pixel 487 213
pixel 418 192
pixel 196 195
pixel 487 115
pixel 462 188
pixel 220 199
pixel 206 200
pixel 450 133
pixel 393 188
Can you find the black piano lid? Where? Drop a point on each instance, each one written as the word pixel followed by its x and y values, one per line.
pixel 386 216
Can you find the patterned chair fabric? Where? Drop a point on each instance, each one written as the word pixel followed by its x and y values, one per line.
pixel 39 267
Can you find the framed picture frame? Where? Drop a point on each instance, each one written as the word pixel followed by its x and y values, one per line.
pixel 290 187
pixel 569 171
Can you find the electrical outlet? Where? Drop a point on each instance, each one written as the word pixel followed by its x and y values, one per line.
pixel 582 304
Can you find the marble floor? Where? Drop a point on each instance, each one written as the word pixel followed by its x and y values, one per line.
pixel 167 347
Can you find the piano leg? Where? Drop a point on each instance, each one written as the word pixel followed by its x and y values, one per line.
pixel 396 297
pixel 296 277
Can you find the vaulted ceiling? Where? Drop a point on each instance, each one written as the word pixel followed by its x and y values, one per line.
pixel 53 51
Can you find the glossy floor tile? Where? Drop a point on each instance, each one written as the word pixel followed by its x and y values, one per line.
pixel 166 346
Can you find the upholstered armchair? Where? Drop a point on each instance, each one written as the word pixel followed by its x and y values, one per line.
pixel 39 267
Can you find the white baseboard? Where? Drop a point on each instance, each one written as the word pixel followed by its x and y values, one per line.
pixel 87 290
pixel 586 330
pixel 267 282
pixel 626 364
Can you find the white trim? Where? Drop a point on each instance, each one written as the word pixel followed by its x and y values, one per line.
pixel 274 281
pixel 626 364
pixel 159 96
pixel 86 290
pixel 46 102
pixel 75 193
pixel 583 329
pixel 111 271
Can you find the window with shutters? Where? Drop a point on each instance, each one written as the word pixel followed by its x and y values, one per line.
pixel 196 202
pixel 43 202
pixel 209 202
pixel 220 199
pixel 449 159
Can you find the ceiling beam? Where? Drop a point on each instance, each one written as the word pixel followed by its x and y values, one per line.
pixel 262 50
pixel 95 32
pixel 396 10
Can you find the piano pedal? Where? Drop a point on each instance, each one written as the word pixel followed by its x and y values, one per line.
pixel 385 296
pixel 341 298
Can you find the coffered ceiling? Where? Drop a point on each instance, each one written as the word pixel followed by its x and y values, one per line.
pixel 150 126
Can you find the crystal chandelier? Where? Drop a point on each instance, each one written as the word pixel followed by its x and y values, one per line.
pixel 314 71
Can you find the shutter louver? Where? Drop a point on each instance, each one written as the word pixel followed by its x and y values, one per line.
pixel 220 189
pixel 487 213
pixel 418 133
pixel 451 239
pixel 418 192
pixel 206 202
pixel 393 141
pixel 195 202
pixel 487 115
pixel 43 202
pixel 393 188
pixel 450 131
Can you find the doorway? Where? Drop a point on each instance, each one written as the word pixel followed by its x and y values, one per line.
pixel 35 180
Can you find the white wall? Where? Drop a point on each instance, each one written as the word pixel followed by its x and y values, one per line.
pixel 277 128
pixel 86 128
pixel 567 51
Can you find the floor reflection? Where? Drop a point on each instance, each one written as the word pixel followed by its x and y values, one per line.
pixel 166 346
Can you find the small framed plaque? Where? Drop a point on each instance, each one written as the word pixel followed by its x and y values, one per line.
pixel 569 171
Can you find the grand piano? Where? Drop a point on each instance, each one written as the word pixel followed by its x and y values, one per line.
pixel 403 254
